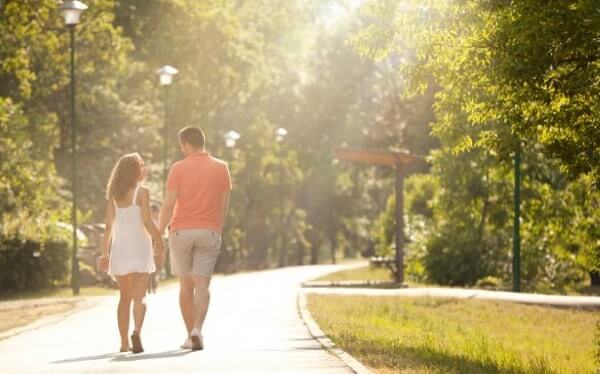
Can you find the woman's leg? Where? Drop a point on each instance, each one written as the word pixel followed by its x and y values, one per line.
pixel 140 285
pixel 124 309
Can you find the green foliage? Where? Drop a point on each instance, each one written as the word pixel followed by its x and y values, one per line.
pixel 27 265
pixel 506 75
pixel 506 72
pixel 256 66
pixel 26 182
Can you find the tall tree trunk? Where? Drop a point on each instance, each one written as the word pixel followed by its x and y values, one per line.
pixel 333 244
pixel 300 253
pixel 314 253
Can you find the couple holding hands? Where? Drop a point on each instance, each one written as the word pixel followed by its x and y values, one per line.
pixel 194 210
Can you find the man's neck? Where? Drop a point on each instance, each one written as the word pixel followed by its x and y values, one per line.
pixel 197 151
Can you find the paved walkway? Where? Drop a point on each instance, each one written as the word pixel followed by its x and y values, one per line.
pixel 460 293
pixel 253 326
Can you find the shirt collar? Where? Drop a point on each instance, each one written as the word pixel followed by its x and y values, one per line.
pixel 199 154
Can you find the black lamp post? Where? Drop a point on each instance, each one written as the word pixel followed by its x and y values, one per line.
pixel 71 12
pixel 165 75
pixel 517 223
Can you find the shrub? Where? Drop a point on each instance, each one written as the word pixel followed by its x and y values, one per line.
pixel 31 265
pixel 456 258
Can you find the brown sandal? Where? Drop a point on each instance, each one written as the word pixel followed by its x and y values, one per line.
pixel 197 343
pixel 136 343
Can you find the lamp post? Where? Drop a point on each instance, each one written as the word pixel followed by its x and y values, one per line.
pixel 280 135
pixel 517 223
pixel 231 138
pixel 165 76
pixel 71 12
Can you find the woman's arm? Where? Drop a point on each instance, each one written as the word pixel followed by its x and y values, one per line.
pixel 148 222
pixel 106 239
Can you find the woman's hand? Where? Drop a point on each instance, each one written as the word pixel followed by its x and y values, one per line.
pixel 103 263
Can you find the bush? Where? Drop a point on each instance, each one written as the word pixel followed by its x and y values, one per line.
pixel 31 265
pixel 457 256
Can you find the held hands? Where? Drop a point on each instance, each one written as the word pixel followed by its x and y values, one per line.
pixel 159 256
pixel 103 263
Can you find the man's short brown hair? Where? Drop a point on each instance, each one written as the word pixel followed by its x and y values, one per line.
pixel 192 135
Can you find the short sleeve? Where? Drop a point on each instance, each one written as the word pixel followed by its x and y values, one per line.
pixel 225 179
pixel 173 179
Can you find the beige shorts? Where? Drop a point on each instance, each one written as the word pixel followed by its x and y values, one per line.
pixel 194 252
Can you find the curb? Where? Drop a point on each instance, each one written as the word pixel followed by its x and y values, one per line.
pixel 49 320
pixel 329 345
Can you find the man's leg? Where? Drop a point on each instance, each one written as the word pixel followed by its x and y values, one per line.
pixel 180 251
pixel 201 300
pixel 186 301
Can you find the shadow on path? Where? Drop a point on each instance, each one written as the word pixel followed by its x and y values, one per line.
pixel 124 357
pixel 85 358
pixel 151 356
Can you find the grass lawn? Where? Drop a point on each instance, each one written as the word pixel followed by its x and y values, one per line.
pixel 363 273
pixel 15 317
pixel 424 335
pixel 59 292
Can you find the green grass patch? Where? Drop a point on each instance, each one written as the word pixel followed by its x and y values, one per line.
pixel 367 273
pixel 425 335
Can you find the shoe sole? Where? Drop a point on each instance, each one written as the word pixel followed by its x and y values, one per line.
pixel 196 344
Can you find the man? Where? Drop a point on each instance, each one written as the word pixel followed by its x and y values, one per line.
pixel 195 207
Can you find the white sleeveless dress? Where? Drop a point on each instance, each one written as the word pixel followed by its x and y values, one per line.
pixel 131 248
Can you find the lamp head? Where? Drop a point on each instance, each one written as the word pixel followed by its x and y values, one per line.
pixel 280 134
pixel 231 138
pixel 165 75
pixel 71 11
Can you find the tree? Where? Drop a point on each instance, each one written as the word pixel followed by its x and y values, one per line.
pixel 508 77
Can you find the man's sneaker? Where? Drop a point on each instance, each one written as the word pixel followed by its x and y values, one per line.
pixel 187 344
pixel 196 338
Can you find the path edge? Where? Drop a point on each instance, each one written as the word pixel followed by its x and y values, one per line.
pixel 326 343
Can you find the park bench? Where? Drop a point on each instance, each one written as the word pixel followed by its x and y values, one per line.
pixel 381 261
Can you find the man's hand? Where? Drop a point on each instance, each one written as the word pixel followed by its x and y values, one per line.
pixel 166 211
pixel 159 250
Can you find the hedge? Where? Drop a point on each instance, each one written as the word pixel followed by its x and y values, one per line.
pixel 30 265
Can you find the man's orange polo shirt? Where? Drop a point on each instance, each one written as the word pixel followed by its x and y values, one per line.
pixel 199 180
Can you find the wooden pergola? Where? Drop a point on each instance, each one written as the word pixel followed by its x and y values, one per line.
pixel 399 160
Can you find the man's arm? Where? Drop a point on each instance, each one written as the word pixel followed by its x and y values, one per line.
pixel 224 208
pixel 166 211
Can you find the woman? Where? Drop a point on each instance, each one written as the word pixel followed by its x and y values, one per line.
pixel 129 234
